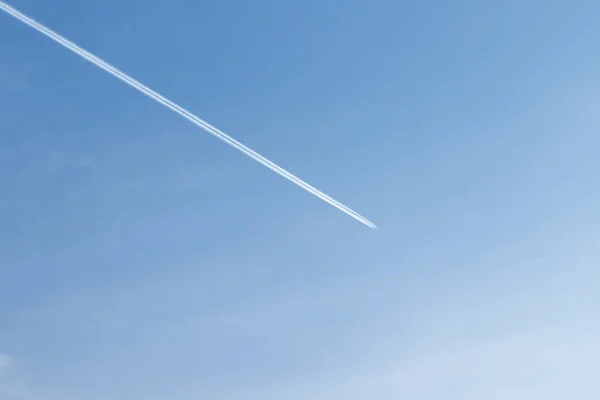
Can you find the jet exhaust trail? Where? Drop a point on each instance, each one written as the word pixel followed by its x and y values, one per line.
pixel 179 110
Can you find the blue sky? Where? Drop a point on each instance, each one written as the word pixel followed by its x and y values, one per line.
pixel 142 258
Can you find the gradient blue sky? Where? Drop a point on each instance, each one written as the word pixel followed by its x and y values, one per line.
pixel 140 258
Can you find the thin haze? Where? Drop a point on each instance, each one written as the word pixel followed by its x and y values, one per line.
pixel 181 111
pixel 142 259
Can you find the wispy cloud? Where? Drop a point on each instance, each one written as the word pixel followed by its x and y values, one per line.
pixel 543 364
pixel 488 289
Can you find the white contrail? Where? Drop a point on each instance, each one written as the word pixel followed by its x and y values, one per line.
pixel 179 110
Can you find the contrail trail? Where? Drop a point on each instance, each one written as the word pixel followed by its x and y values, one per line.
pixel 179 110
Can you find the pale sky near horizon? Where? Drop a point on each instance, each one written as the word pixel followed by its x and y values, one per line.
pixel 140 258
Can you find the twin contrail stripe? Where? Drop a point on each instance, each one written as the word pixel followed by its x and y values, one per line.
pixel 179 110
